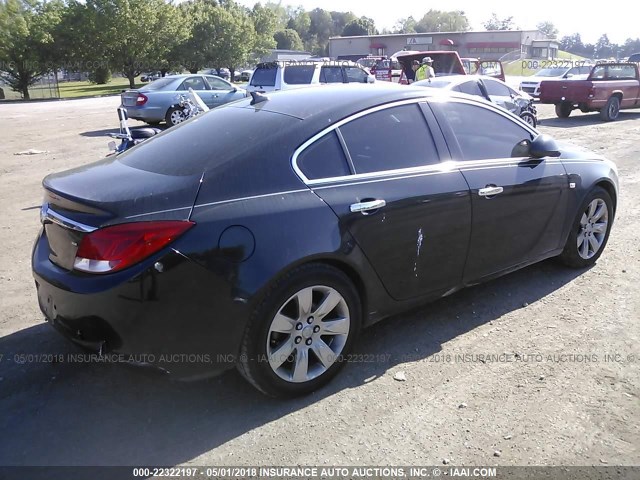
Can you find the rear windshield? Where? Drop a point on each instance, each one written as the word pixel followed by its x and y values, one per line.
pixel 208 141
pixel 264 77
pixel 298 74
pixel 551 72
pixel 159 84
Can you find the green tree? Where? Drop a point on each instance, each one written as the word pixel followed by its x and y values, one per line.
pixel 133 36
pixel 300 21
pixel 405 25
pixel 288 39
pixel 265 23
pixel 439 21
pixel 548 28
pixel 340 20
pixel 27 42
pixel 573 44
pixel 604 48
pixel 360 26
pixel 496 23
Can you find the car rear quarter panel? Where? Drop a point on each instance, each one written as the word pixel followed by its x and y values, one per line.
pixel 280 231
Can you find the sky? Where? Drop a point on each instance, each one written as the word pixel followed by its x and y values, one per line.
pixel 568 16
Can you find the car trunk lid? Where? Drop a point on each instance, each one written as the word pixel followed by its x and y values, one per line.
pixel 129 98
pixel 82 200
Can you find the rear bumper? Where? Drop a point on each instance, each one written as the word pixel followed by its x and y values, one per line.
pixel 146 113
pixel 182 319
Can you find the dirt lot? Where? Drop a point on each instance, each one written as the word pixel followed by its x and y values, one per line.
pixel 560 402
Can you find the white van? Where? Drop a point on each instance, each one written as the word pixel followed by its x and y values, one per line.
pixel 285 75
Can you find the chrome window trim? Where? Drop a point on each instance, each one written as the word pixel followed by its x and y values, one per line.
pixel 490 106
pixel 48 215
pixel 355 116
pixel 438 167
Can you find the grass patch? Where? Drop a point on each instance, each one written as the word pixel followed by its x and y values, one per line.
pixel 83 89
pixel 518 67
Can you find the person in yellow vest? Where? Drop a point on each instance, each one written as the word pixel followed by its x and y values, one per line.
pixel 425 72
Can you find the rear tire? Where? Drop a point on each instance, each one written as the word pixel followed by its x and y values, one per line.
pixel 174 116
pixel 299 334
pixel 563 110
pixel 611 110
pixel 590 230
pixel 529 118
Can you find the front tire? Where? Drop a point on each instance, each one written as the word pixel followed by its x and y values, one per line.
pixel 299 333
pixel 563 110
pixel 590 230
pixel 611 110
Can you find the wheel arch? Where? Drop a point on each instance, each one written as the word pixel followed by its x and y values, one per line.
pixel 608 186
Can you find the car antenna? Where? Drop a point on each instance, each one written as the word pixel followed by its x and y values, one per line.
pixel 258 97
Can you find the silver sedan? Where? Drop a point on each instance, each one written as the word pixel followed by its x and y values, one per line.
pixel 160 100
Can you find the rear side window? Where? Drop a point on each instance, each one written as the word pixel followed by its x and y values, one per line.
pixel 264 77
pixel 324 159
pixel 298 74
pixel 390 139
pixel 482 133
pixel 196 83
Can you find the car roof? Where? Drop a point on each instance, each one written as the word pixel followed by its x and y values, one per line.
pixel 331 102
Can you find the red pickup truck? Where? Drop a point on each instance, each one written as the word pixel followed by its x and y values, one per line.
pixel 608 88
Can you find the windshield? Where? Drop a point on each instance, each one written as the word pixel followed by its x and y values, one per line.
pixel 551 72
pixel 264 77
pixel 367 62
pixel 159 84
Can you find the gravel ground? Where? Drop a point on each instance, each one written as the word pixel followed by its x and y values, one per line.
pixel 560 386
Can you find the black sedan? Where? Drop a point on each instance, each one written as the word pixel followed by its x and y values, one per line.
pixel 266 233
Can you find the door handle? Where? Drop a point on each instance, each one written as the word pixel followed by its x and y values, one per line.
pixel 490 191
pixel 364 207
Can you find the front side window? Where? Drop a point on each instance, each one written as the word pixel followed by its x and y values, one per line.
pixel 390 139
pixel 355 75
pixel 216 83
pixel 324 159
pixel 471 88
pixel 483 133
pixel 496 88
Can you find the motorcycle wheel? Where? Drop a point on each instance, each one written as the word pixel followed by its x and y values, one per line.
pixel 529 118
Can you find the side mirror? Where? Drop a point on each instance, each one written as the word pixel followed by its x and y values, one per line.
pixel 568 75
pixel 371 79
pixel 544 146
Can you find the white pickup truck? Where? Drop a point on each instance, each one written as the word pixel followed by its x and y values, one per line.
pixel 532 84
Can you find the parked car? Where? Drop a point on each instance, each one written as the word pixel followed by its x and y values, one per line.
pixel 245 75
pixel 274 76
pixel 267 232
pixel 489 68
pixel 607 89
pixel 491 89
pixel 159 101
pixel 634 58
pixel 532 84
pixel 150 76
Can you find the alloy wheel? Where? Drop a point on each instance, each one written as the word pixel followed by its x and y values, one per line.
pixel 593 228
pixel 308 334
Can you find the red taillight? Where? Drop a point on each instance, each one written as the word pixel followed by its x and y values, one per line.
pixel 141 100
pixel 113 248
